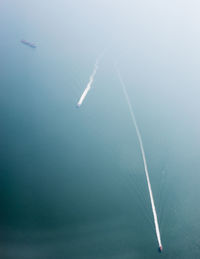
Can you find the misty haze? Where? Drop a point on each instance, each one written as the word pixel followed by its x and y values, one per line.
pixel 72 177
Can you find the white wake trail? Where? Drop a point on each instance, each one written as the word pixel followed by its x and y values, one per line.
pixel 144 161
pixel 88 87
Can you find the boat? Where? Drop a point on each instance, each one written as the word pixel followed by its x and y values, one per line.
pixel 160 248
pixel 31 45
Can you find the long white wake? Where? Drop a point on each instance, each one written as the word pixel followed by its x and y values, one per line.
pixel 144 161
pixel 88 87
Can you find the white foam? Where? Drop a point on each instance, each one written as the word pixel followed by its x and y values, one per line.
pixel 143 157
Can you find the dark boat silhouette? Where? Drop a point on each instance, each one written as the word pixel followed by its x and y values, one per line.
pixel 31 45
pixel 160 248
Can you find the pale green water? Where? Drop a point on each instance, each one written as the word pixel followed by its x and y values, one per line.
pixel 72 183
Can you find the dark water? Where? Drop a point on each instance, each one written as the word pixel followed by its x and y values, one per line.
pixel 72 182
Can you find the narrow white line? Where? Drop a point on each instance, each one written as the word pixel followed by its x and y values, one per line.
pixel 144 160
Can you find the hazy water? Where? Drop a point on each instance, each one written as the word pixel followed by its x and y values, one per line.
pixel 72 183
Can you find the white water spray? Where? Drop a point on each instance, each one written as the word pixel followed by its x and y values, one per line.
pixel 144 161
pixel 88 87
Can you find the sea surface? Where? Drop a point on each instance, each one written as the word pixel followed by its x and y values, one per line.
pixel 72 180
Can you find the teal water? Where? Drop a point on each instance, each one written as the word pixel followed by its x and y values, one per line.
pixel 72 182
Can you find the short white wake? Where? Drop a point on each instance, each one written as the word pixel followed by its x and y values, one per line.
pixel 144 160
pixel 91 79
pixel 88 87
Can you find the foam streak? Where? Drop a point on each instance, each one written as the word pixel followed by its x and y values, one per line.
pixel 144 160
pixel 88 87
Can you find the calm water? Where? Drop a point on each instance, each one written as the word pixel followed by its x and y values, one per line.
pixel 72 182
